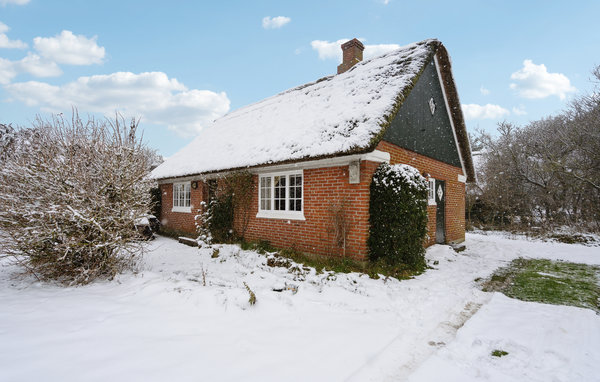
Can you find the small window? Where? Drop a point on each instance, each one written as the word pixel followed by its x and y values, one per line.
pixel 181 197
pixel 431 192
pixel 280 196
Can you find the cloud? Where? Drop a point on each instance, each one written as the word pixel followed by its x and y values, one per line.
pixel 519 110
pixel 67 48
pixel 15 2
pixel 7 71
pixel 275 22
pixel 7 43
pixel 332 49
pixel 484 91
pixel 152 96
pixel 38 66
pixel 488 111
pixel 534 81
pixel 32 64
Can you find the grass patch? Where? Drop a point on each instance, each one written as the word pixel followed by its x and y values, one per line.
pixel 499 353
pixel 550 282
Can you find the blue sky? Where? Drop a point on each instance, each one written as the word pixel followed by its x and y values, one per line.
pixel 179 65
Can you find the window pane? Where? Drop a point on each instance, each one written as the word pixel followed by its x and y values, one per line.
pixel 295 199
pixel 265 193
pixel 279 182
pixel 188 195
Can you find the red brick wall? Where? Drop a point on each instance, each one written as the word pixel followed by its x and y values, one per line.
pixel 181 221
pixel 455 190
pixel 323 189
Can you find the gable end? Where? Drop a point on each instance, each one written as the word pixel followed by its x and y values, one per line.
pixel 423 123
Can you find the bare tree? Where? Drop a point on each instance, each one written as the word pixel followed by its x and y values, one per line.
pixel 547 172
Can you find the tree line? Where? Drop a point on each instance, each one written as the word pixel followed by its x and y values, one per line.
pixel 545 174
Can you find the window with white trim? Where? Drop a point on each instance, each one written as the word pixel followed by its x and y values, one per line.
pixel 431 192
pixel 182 197
pixel 281 195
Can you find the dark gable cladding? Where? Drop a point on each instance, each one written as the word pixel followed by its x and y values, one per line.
pixel 415 128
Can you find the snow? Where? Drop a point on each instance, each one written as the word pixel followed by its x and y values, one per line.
pixel 186 317
pixel 544 343
pixel 334 115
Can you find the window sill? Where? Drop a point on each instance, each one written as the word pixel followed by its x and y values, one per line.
pixel 431 202
pixel 287 215
pixel 182 209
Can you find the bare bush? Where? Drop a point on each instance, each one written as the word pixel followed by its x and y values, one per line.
pixel 70 194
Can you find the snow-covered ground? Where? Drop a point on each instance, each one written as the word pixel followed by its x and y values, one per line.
pixel 165 324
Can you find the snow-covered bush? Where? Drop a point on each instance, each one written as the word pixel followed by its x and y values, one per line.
pixel 398 216
pixel 70 194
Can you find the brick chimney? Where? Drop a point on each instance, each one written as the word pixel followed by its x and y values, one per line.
pixel 353 53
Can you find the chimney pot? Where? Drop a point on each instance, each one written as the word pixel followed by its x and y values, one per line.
pixel 352 54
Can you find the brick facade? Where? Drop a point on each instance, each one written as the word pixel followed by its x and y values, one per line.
pixel 326 189
pixel 455 190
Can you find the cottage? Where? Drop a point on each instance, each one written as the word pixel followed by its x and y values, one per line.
pixel 316 146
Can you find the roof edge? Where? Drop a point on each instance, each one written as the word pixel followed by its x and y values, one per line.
pixel 462 135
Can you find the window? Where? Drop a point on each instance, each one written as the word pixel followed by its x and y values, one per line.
pixel 280 196
pixel 431 192
pixel 181 197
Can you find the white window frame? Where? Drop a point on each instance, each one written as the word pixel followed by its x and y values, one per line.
pixel 186 187
pixel 280 214
pixel 431 192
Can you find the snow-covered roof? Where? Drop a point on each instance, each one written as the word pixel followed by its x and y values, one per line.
pixel 335 115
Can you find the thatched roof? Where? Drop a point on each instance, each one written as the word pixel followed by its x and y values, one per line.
pixel 336 115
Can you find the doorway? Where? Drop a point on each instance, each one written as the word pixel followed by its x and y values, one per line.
pixel 440 213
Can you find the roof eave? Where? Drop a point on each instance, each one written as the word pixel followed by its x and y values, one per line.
pixel 445 69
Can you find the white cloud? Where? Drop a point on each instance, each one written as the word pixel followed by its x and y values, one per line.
pixel 32 64
pixel 7 43
pixel 275 22
pixel 15 2
pixel 333 50
pixel 484 91
pixel 152 96
pixel 38 66
pixel 67 48
pixel 520 110
pixel 488 111
pixel 7 71
pixel 534 81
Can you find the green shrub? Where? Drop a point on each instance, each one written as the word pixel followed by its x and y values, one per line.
pixel 398 216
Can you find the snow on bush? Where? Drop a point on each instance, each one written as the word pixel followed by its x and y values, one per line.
pixel 70 194
pixel 398 216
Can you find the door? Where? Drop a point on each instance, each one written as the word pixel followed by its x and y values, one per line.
pixel 440 213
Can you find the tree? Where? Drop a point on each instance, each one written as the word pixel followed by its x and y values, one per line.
pixel 70 194
pixel 546 172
